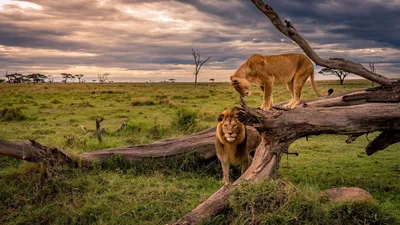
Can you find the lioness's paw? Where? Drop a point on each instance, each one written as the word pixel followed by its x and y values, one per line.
pixel 265 108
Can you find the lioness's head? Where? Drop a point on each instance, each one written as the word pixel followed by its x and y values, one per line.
pixel 241 85
pixel 229 126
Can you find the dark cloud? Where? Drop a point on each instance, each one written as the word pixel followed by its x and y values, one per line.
pixel 131 37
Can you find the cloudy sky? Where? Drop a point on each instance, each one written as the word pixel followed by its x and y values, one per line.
pixel 140 40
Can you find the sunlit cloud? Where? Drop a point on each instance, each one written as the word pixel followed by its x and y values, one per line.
pixel 152 40
pixel 20 4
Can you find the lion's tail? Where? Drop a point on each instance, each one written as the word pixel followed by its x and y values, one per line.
pixel 313 84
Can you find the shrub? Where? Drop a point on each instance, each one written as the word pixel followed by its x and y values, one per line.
pixel 10 114
pixel 184 120
pixel 279 202
pixel 55 101
pixel 142 101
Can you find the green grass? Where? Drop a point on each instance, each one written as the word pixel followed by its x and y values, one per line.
pixel 153 192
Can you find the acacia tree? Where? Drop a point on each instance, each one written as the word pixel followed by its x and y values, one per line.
pixel 79 76
pixel 11 77
pixel 198 63
pixel 37 78
pixel 341 74
pixel 67 76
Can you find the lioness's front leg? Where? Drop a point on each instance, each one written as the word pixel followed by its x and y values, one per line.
pixel 267 104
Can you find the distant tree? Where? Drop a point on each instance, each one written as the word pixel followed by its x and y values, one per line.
pixel 66 76
pixel 94 81
pixel 212 80
pixel 372 68
pixel 17 78
pixel 79 76
pixel 10 77
pixel 36 78
pixel 198 63
pixel 50 78
pixel 172 80
pixel 103 77
pixel 341 74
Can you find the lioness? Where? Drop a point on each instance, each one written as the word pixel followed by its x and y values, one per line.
pixel 234 142
pixel 266 71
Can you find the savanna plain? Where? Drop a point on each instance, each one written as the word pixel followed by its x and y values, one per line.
pixel 153 192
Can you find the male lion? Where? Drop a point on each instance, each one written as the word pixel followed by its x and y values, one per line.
pixel 265 71
pixel 234 142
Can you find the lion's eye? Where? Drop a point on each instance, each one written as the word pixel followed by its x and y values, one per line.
pixel 225 125
pixel 234 125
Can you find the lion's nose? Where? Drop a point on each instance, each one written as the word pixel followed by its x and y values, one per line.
pixel 247 92
pixel 230 133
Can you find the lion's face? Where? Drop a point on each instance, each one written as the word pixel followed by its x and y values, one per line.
pixel 229 125
pixel 241 85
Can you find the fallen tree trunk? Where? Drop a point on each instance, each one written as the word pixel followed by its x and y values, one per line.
pixel 202 143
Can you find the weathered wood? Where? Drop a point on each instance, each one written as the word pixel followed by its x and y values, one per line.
pixel 202 143
pixel 384 140
pixel 35 152
pixel 98 129
pixel 266 160
pixel 335 63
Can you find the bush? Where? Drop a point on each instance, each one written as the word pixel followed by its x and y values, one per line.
pixel 279 202
pixel 12 114
pixel 184 120
pixel 142 101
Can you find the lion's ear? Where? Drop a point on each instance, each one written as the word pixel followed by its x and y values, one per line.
pixel 220 117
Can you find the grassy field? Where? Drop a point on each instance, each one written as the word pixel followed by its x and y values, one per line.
pixel 118 193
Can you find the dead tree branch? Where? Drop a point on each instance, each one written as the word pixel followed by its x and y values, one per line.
pixel 98 128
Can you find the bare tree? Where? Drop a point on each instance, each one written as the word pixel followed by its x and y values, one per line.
pixel 372 68
pixel 50 78
pixel 341 74
pixel 79 76
pixel 103 77
pixel 198 63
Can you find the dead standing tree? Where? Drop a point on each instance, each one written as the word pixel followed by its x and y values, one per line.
pixel 372 68
pixel 354 114
pixel 198 63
